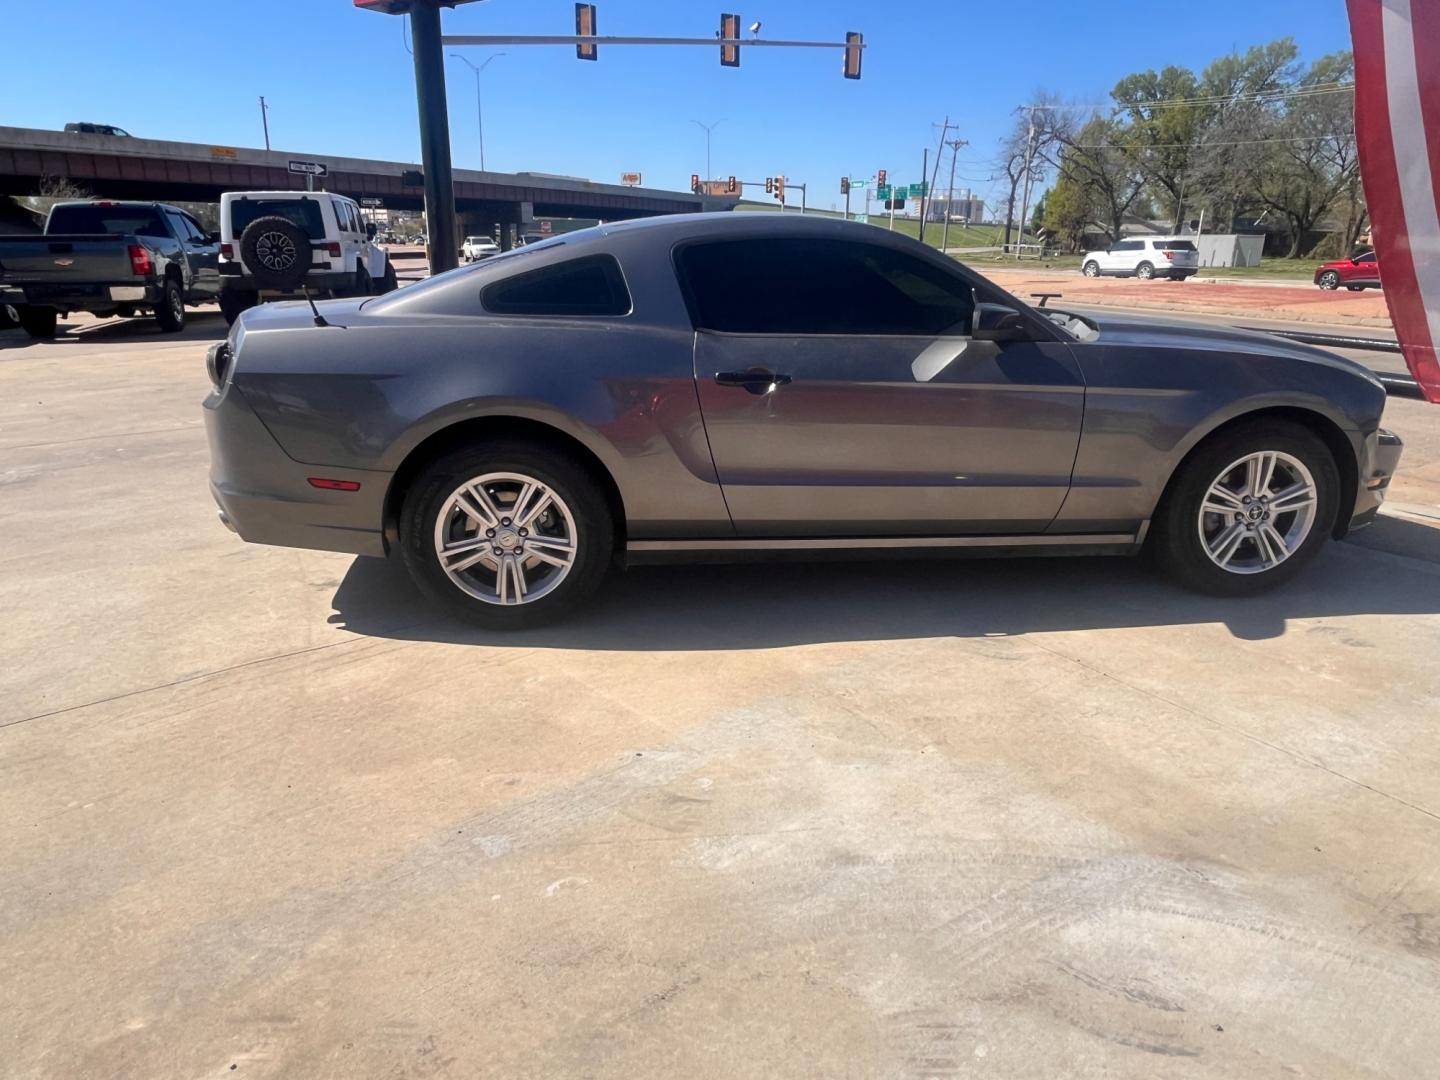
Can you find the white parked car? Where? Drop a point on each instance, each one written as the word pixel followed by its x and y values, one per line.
pixel 478 247
pixel 314 238
pixel 1144 257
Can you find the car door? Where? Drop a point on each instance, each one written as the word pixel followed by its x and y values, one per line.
pixel 1365 270
pixel 203 252
pixel 843 396
pixel 1115 259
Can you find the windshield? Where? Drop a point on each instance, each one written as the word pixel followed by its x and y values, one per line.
pixel 303 212
pixel 89 218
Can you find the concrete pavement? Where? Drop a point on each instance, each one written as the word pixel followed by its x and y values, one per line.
pixel 267 816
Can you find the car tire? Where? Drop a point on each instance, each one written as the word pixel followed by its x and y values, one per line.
pixel 1245 551
pixel 443 506
pixel 38 322
pixel 170 310
pixel 235 302
pixel 9 317
pixel 1091 269
pixel 1145 271
pixel 276 252
pixel 1355 288
pixel 389 283
pixel 126 312
pixel 1328 280
pixel 364 284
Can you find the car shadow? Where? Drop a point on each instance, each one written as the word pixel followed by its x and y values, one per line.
pixel 770 605
pixel 205 324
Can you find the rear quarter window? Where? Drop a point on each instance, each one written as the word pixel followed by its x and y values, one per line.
pixel 592 285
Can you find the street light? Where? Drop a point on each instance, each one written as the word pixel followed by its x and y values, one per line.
pixel 708 128
pixel 479 113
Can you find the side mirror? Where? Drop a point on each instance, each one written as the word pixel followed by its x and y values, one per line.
pixel 996 322
pixel 370 230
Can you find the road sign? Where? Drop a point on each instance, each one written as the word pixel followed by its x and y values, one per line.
pixel 863 219
pixel 859 183
pixel 630 179
pixel 917 190
pixel 372 201
pixel 883 191
pixel 310 168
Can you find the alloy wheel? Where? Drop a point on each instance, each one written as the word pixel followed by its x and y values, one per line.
pixel 505 538
pixel 1257 512
pixel 275 250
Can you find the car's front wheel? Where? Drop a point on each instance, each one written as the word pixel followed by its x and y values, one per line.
pixel 1248 509
pixel 1091 269
pixel 1328 280
pixel 507 535
pixel 1145 271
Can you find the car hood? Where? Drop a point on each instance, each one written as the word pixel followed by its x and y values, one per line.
pixel 1178 334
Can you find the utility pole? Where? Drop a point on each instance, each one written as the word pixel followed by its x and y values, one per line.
pixel 1025 198
pixel 955 145
pixel 708 128
pixel 927 181
pixel 264 120
pixel 434 136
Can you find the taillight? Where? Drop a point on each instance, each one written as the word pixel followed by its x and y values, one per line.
pixel 334 249
pixel 140 263
pixel 1169 255
pixel 227 251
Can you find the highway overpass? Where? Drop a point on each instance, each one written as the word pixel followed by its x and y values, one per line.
pixel 116 167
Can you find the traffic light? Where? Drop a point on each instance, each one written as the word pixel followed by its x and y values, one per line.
pixel 731 186
pixel 585 27
pixel 730 31
pixel 854 46
pixel 769 185
pixel 780 188
pixel 695 183
pixel 880 178
pixel 844 185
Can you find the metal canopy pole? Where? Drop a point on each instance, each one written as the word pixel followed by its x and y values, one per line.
pixel 434 135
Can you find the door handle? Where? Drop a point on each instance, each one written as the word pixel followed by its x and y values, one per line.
pixel 756 380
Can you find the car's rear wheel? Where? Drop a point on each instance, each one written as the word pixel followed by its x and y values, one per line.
pixel 389 283
pixel 1355 288
pixel 507 535
pixel 1145 271
pixel 364 284
pixel 1328 280
pixel 38 322
pixel 1248 509
pixel 170 309
pixel 1091 269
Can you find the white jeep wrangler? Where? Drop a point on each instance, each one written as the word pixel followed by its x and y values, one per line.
pixel 280 244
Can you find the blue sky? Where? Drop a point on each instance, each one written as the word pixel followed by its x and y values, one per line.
pixel 340 82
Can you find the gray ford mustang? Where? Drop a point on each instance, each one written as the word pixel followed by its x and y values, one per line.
pixel 747 382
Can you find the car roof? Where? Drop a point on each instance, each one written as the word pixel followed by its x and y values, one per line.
pixel 284 195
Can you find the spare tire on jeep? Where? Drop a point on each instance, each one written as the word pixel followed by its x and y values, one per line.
pixel 276 252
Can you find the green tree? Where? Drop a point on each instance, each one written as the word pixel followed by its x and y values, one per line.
pixel 1069 210
pixel 1100 160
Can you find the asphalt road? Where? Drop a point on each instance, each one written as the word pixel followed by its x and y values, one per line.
pixel 266 815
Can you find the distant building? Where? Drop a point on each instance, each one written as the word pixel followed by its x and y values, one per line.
pixel 967 209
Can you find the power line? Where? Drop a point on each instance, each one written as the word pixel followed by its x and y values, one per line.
pixel 1214 99
pixel 1204 145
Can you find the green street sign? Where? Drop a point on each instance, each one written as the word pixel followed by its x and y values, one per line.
pixel 916 190
pixel 859 183
pixel 883 191
pixel 863 219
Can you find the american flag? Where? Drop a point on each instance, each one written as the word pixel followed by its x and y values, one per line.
pixel 1397 126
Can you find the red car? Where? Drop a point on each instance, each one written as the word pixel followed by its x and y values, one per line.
pixel 1361 272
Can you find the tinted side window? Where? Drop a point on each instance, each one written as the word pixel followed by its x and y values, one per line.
pixel 1368 258
pixel 592 285
pixel 820 287
pixel 1130 245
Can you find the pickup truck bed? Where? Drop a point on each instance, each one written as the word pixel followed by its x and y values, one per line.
pixel 155 258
